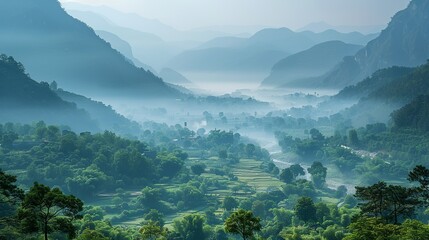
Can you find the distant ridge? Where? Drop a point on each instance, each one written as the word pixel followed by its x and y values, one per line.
pixel 56 47
pixel 24 100
pixel 293 70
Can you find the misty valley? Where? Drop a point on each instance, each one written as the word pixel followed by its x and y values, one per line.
pixel 114 126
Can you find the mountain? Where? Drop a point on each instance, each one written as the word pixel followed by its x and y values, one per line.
pixel 386 91
pixel 226 59
pixel 147 47
pixel 312 62
pixel 413 115
pixel 130 20
pixel 258 52
pixel 123 47
pixel 173 77
pixel 403 43
pixel 24 100
pixel 56 47
pixel 156 27
pixel 104 116
pixel 323 26
pixel 287 40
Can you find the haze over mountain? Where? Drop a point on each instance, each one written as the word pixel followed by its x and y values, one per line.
pixel 153 42
pixel 257 53
pixel 104 116
pixel 147 47
pixel 56 47
pixel 156 27
pixel 403 43
pixel 173 77
pixel 323 26
pixel 293 70
pixel 24 100
pixel 379 95
pixel 123 47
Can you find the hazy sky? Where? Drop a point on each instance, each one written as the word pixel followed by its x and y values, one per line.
pixel 186 14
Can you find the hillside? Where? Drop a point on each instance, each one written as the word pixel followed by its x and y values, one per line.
pixel 413 115
pixel 104 116
pixel 173 77
pixel 123 47
pixel 403 43
pixel 385 92
pixel 24 100
pixel 309 63
pixel 56 47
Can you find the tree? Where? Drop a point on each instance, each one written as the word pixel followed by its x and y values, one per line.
pixel 372 228
pixel 242 222
pixel 250 150
pixel 376 228
pixel 229 203
pixel 198 169
pixel 223 154
pixel 297 170
pixel 388 202
pixel 150 197
pixel 10 196
pixel 9 192
pixel 305 209
pixel 88 234
pixel 155 216
pixel 420 174
pixel 318 174
pixel 7 139
pixel 152 231
pixel 373 198
pixel 190 227
pixel 286 176
pixel 316 135
pixel 48 210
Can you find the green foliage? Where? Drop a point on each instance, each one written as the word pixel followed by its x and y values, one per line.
pixel 287 176
pixel 88 234
pixel 155 216
pixel 229 203
pixel 190 227
pixel 297 170
pixel 420 174
pixel 375 228
pixel 390 203
pixel 87 164
pixel 9 192
pixel 318 174
pixel 198 169
pixel 306 210
pixel 243 223
pixel 153 231
pixel 48 210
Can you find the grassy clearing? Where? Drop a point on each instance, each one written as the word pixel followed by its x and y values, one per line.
pixel 248 172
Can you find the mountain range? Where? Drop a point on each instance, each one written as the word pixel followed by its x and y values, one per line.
pixel 25 100
pixel 57 47
pixel 258 52
pixel 293 70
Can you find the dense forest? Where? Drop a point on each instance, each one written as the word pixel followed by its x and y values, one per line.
pixel 181 184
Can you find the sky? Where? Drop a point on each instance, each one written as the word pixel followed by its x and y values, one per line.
pixel 188 14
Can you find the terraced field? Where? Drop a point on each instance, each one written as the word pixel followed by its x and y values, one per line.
pixel 250 177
